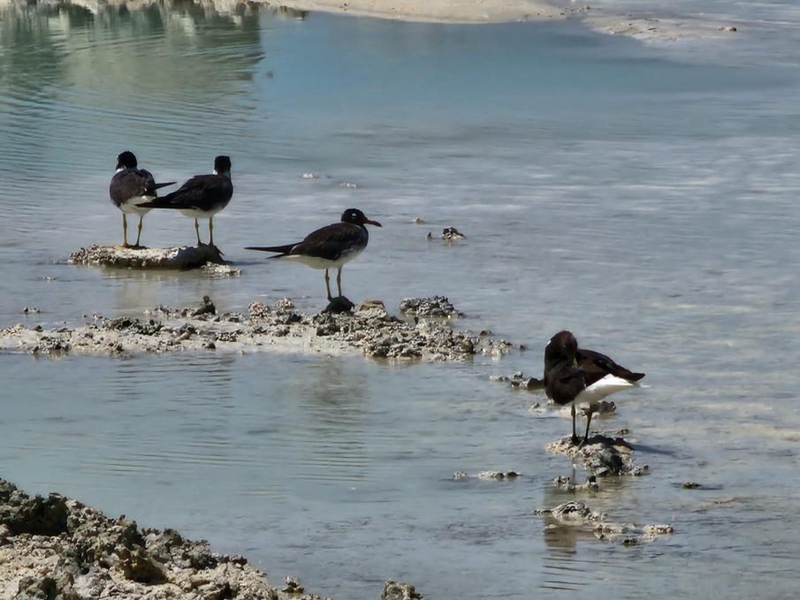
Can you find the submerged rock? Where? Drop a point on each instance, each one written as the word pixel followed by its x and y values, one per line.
pixel 182 257
pixel 487 475
pixel 576 514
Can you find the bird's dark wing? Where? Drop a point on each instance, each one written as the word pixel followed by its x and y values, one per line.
pixel 564 383
pixel 130 183
pixel 332 241
pixel 597 365
pixel 201 192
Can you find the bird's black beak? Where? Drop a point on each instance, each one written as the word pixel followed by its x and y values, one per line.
pixel 369 222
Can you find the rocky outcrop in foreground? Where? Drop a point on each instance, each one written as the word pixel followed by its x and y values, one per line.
pixel 280 327
pixel 55 548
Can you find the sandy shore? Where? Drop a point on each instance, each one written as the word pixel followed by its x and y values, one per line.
pixel 647 24
pixel 446 11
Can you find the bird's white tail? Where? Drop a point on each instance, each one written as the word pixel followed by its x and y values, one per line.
pixel 606 386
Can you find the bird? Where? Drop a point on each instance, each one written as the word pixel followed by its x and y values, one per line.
pixel 329 247
pixel 201 197
pixel 574 375
pixel 128 188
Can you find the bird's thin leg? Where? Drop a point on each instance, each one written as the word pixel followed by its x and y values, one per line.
pixel 124 231
pixel 139 230
pixel 211 231
pixel 339 280
pixel 588 421
pixel 197 231
pixel 328 284
pixel 574 433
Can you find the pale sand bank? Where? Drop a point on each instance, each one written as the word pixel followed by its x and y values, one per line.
pixel 445 11
pixel 646 25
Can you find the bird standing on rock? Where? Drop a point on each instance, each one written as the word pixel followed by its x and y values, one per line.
pixel 201 197
pixel 130 186
pixel 573 376
pixel 329 247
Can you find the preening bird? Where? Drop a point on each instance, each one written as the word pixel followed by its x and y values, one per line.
pixel 573 375
pixel 129 187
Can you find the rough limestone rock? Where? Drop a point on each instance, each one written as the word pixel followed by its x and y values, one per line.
pixel 601 455
pixel 577 514
pixel 59 549
pixel 437 306
pixel 280 327
pixel 393 590
pixel 183 257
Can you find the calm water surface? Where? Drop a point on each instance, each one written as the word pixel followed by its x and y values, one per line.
pixel 643 197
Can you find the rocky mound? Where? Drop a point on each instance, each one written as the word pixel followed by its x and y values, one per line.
pixel 280 327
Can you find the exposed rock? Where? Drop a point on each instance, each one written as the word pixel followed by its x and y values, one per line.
pixel 601 455
pixel 690 485
pixel 578 514
pixel 572 513
pixel 498 475
pixel 393 590
pixel 487 475
pixel 371 330
pixel 437 306
pixel 183 257
pixel 451 234
pixel 340 304
pixel 60 549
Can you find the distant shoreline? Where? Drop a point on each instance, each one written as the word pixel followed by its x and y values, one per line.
pixel 439 11
pixel 645 25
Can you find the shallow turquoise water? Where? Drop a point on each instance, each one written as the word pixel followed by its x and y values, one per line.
pixel 644 197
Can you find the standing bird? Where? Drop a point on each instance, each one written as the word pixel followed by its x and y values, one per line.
pixel 129 186
pixel 201 197
pixel 576 376
pixel 329 247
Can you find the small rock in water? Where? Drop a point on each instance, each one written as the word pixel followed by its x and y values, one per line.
pixel 310 175
pixel 292 585
pixel 29 310
pixel 498 475
pixel 207 308
pixel 601 455
pixel 418 220
pixel 340 304
pixel 460 475
pixel 691 485
pixel 451 234
pixel 393 590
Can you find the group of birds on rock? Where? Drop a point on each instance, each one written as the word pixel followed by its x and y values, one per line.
pixel 573 376
pixel 134 191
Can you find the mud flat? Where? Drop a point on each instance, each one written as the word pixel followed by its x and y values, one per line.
pixel 59 548
pixel 370 330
